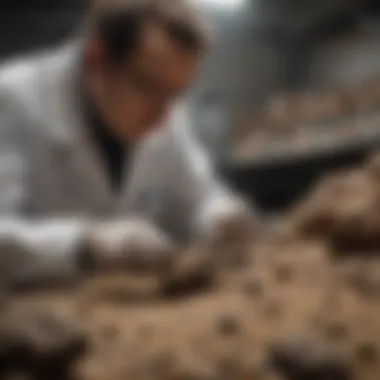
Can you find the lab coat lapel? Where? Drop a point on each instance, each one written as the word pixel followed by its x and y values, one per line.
pixel 82 156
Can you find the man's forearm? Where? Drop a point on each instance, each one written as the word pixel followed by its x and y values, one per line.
pixel 61 251
pixel 34 251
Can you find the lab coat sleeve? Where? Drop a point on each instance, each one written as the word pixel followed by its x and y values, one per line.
pixel 31 250
pixel 201 194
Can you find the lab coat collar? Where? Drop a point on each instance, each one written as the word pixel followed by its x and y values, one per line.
pixel 63 94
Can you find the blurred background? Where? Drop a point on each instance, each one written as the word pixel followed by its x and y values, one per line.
pixel 290 90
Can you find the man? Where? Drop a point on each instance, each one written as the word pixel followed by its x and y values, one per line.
pixel 95 147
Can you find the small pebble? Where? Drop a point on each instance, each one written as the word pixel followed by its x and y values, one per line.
pixel 254 287
pixel 366 352
pixel 336 329
pixel 233 258
pixel 284 273
pixel 305 358
pixel 228 325
pixel 272 309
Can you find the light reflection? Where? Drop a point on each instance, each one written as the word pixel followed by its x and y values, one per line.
pixel 225 4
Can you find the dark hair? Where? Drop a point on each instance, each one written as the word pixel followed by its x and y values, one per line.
pixel 119 22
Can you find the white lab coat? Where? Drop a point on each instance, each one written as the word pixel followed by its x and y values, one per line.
pixel 52 180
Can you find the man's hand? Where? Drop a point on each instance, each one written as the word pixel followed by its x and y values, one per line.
pixel 134 244
pixel 227 222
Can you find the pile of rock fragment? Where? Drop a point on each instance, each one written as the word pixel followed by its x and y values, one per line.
pixel 303 303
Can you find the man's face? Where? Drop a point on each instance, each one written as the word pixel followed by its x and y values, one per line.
pixel 135 97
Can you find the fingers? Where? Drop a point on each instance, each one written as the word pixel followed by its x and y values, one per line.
pixel 151 250
pixel 131 244
pixel 231 223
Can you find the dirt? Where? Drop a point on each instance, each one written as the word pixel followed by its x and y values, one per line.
pixel 226 331
pixel 300 305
